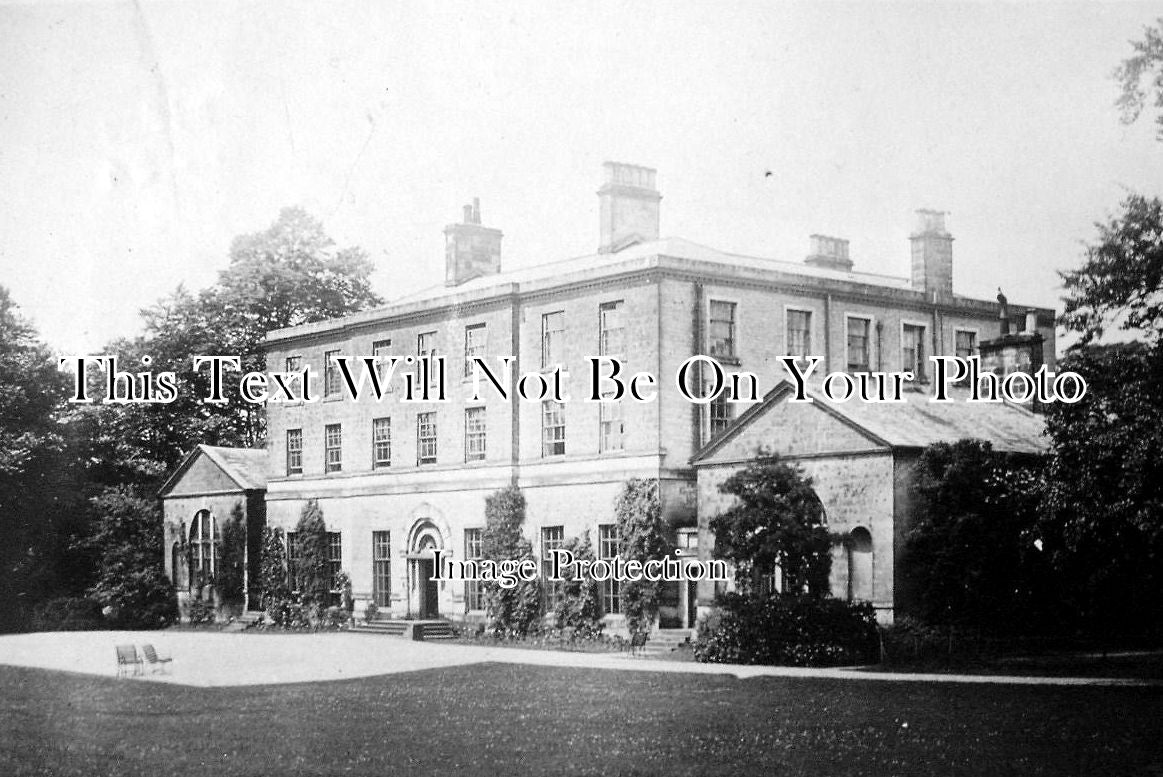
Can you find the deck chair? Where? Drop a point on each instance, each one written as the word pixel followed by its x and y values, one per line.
pixel 153 660
pixel 128 661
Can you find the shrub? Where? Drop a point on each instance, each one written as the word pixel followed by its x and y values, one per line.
pixel 371 611
pixel 335 618
pixel 788 631
pixel 516 611
pixel 200 611
pixel 640 537
pixel 67 613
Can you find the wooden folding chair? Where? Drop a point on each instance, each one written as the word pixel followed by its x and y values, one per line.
pixel 128 661
pixel 155 662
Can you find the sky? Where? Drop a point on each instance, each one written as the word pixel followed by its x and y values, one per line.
pixel 137 139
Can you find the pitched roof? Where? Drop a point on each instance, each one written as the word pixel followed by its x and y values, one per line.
pixel 915 423
pixel 246 467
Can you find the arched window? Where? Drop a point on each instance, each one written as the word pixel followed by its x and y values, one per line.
pixel 860 564
pixel 204 548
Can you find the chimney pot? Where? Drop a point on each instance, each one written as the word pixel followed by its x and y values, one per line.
pixel 932 254
pixel 470 250
pixel 829 252
pixel 629 201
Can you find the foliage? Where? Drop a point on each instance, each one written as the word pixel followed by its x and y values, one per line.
pixel 230 578
pixel 579 608
pixel 130 575
pixel 200 611
pixel 370 611
pixel 1121 280
pixel 273 566
pixel 335 618
pixel 310 571
pixel 1145 63
pixel 1103 510
pixel 778 521
pixel 638 517
pixel 971 557
pixel 288 274
pixel 511 611
pixel 41 503
pixel 788 631
pixel 68 613
pixel 343 585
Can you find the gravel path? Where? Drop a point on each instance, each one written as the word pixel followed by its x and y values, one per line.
pixel 208 659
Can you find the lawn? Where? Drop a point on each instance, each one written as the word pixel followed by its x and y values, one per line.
pixel 517 720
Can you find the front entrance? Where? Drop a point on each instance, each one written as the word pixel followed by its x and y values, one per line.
pixel 423 591
pixel 429 604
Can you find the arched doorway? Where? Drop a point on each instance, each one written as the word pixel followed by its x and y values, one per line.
pixel 423 591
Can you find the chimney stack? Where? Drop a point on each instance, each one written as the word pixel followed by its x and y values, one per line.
pixel 829 252
pixel 470 250
pixel 629 207
pixel 932 255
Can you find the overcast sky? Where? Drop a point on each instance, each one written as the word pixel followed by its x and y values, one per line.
pixel 136 140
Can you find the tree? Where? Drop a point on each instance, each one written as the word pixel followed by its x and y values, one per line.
pixel 231 573
pixel 579 607
pixel 512 611
pixel 638 516
pixel 974 553
pixel 288 274
pixel 131 580
pixel 1145 63
pixel 1121 281
pixel 309 570
pixel 1103 510
pixel 273 567
pixel 41 504
pixel 778 522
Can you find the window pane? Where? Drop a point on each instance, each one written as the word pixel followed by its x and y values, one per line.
pixel 475 346
pixel 330 374
pixel 294 451
pixel 382 442
pixel 381 352
pixel 858 360
pixel 552 428
pixel 426 349
pixel 474 434
pixel 426 438
pixel 608 548
pixel 612 428
pixel 474 594
pixel 722 329
pixel 294 364
pixel 552 538
pixel 965 344
pixel 552 339
pixel 913 350
pixel 334 558
pixel 333 442
pixel 382 568
pixel 721 413
pixel 611 330
pixel 799 333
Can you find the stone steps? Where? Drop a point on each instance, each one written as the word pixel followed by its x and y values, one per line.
pixel 414 630
pixel 663 641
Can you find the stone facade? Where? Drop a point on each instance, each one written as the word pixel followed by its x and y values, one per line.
pixel 653 303
pixel 210 487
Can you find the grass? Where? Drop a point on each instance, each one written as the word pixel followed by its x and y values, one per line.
pixel 520 720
